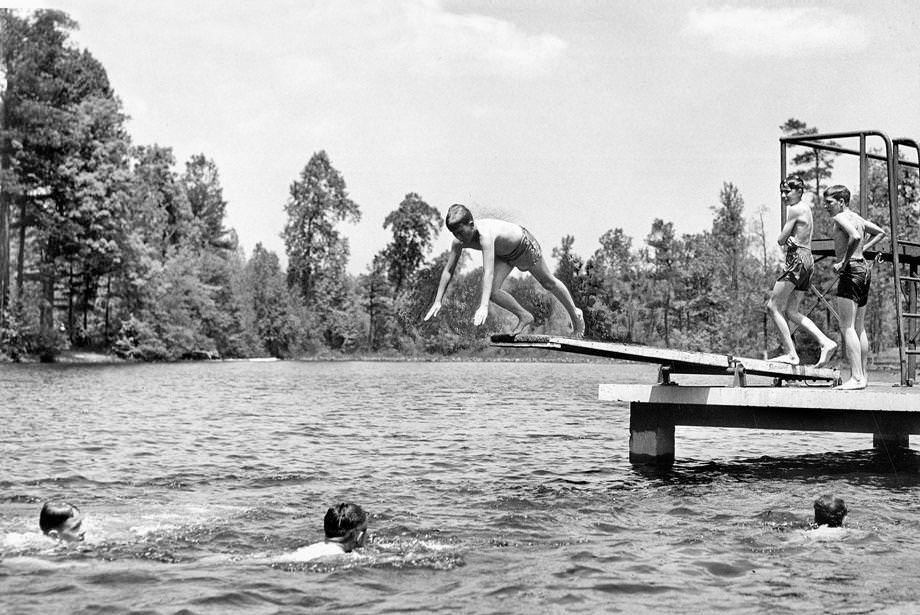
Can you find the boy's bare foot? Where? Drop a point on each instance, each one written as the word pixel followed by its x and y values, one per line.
pixel 524 323
pixel 827 352
pixel 578 327
pixel 853 384
pixel 791 359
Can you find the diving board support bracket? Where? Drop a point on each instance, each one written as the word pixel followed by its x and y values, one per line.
pixel 738 379
pixel 664 375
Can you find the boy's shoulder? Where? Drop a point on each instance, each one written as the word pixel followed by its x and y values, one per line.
pixel 314 551
pixel 494 227
pixel 800 209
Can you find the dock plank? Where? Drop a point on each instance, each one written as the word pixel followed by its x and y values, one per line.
pixel 885 399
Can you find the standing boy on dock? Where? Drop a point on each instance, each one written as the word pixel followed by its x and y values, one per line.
pixel 504 246
pixel 796 277
pixel 850 230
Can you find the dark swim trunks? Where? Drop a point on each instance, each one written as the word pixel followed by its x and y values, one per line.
pixel 526 254
pixel 799 266
pixel 854 282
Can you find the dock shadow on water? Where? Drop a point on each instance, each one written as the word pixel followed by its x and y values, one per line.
pixel 892 469
pixel 490 488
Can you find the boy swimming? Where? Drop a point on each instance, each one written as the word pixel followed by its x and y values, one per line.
pixel 345 527
pixel 62 521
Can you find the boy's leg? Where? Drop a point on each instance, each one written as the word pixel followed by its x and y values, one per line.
pixel 828 346
pixel 860 326
pixel 847 310
pixel 504 299
pixel 548 281
pixel 776 304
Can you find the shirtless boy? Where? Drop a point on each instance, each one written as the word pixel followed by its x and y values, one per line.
pixel 504 246
pixel 345 526
pixel 796 277
pixel 850 231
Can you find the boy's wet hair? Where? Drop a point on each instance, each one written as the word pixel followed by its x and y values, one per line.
pixel 838 192
pixel 830 511
pixel 53 514
pixel 457 215
pixel 794 182
pixel 342 518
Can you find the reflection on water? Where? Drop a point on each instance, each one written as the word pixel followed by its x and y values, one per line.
pixel 491 487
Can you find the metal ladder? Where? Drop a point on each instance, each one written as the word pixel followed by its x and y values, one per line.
pixel 908 285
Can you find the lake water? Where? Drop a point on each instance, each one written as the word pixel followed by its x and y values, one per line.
pixel 491 488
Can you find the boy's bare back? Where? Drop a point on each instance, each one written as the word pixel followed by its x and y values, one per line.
pixel 504 235
pixel 843 221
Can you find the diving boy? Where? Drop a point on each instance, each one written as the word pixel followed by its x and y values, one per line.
pixel 795 279
pixel 504 246
pixel 850 231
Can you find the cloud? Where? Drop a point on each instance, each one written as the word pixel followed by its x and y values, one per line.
pixel 476 43
pixel 778 32
pixel 421 36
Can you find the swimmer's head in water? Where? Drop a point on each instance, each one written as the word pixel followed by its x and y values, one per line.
pixel 830 511
pixel 62 520
pixel 346 523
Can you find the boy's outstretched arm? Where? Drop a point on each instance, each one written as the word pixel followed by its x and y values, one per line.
pixel 446 275
pixel 488 274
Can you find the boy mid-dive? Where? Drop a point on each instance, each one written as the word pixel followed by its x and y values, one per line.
pixel 504 246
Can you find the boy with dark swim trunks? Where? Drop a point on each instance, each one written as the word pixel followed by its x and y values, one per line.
pixel 504 246
pixel 850 231
pixel 795 279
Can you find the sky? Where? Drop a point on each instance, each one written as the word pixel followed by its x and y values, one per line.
pixel 569 117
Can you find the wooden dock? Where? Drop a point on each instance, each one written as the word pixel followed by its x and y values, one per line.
pixel 676 361
pixel 891 414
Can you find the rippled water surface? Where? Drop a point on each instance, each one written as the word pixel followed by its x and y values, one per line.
pixel 492 487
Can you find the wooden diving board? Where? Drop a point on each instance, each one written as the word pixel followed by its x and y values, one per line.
pixel 674 361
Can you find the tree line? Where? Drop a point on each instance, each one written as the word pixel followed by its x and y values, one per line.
pixel 110 245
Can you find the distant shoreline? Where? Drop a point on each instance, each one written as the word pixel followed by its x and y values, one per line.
pixel 487 355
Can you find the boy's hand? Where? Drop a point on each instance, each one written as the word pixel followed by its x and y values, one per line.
pixel 481 315
pixel 838 266
pixel 435 308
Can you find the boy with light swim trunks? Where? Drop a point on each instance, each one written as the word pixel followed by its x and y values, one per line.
pixel 795 279
pixel 849 232
pixel 504 246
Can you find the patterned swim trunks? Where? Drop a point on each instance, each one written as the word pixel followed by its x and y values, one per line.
pixel 800 264
pixel 527 253
pixel 854 282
